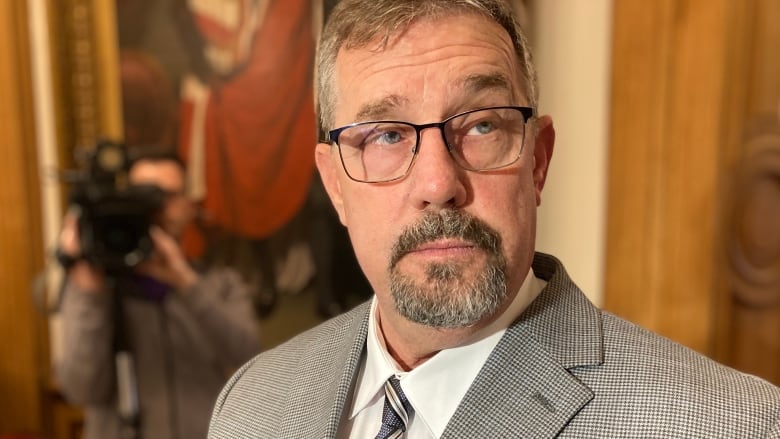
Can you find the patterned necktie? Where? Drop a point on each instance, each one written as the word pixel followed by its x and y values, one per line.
pixel 395 416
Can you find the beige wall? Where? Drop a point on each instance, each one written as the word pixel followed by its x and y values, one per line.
pixel 572 40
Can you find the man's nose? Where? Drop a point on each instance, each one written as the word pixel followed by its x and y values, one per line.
pixel 437 181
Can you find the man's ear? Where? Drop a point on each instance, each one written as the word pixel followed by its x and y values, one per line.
pixel 544 143
pixel 329 168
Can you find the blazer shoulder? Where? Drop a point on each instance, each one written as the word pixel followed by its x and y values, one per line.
pixel 626 342
pixel 325 338
pixel 643 373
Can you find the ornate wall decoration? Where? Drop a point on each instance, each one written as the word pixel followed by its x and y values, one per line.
pixel 754 233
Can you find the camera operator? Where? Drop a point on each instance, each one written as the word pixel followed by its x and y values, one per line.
pixel 186 330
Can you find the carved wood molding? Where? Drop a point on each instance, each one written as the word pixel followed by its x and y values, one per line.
pixel 85 55
pixel 753 236
pixel 83 73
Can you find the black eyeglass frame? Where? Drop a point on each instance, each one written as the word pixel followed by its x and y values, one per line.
pixel 333 136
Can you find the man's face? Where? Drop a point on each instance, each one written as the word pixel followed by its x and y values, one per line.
pixel 442 241
pixel 177 211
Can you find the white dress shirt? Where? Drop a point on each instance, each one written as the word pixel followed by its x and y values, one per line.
pixel 436 387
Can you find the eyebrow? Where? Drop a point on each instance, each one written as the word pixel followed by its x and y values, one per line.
pixel 380 109
pixel 480 82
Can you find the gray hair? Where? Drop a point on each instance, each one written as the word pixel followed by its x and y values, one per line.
pixel 355 23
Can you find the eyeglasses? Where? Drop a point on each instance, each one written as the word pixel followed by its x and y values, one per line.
pixel 484 139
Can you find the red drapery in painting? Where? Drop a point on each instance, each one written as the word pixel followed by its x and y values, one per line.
pixel 257 130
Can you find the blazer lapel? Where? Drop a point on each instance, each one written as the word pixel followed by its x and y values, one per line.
pixel 525 388
pixel 520 393
pixel 326 380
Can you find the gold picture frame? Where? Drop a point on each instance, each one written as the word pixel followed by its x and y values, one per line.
pixel 86 79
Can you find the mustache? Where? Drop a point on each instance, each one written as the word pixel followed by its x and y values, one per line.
pixel 448 223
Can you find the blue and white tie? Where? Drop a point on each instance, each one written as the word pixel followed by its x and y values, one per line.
pixel 395 416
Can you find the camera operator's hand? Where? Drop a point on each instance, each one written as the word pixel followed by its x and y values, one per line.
pixel 168 263
pixel 81 274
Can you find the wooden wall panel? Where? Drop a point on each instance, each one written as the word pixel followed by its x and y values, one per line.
pixel 693 246
pixel 668 75
pixel 748 334
pixel 21 327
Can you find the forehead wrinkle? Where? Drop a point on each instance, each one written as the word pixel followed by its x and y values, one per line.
pixel 371 58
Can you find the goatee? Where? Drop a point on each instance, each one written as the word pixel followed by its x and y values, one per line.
pixel 445 298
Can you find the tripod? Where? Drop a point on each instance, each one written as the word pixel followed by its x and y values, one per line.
pixel 124 363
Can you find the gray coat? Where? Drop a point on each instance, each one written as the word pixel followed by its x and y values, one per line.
pixel 563 369
pixel 185 348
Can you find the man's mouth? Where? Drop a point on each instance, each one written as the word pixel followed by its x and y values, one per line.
pixel 443 248
pixel 445 234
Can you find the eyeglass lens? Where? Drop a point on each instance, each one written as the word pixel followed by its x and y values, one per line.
pixel 478 140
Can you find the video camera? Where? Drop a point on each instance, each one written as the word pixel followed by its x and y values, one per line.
pixel 115 216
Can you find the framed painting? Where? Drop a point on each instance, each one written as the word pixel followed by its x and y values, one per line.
pixel 227 84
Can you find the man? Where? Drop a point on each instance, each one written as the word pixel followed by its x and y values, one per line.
pixel 185 331
pixel 470 334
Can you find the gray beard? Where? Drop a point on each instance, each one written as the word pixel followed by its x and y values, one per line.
pixel 445 299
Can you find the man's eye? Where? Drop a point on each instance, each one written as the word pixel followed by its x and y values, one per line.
pixel 481 128
pixel 385 137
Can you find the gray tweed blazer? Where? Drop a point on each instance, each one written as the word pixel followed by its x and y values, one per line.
pixel 563 369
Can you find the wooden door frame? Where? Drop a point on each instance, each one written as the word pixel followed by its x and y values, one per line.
pixel 23 335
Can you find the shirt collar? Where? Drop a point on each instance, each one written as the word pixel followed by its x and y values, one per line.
pixel 448 373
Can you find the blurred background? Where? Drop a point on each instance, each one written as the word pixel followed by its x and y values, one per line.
pixel 663 199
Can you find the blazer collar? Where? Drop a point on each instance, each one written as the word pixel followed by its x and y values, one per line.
pixel 562 319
